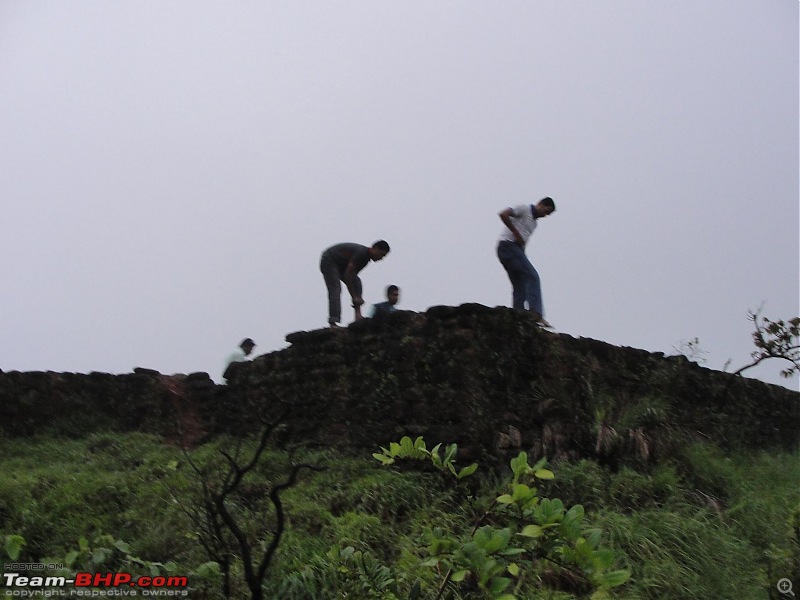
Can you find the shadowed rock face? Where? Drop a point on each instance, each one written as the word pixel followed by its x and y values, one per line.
pixel 486 378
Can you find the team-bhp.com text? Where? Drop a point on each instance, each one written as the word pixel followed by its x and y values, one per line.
pixel 109 584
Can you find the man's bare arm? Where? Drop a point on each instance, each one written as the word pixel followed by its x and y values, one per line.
pixel 350 279
pixel 505 217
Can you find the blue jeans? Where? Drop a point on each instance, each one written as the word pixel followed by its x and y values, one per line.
pixel 524 278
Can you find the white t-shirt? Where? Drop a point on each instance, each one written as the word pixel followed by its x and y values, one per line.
pixel 237 355
pixel 524 220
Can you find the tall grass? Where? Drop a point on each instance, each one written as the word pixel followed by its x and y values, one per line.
pixel 702 525
pixel 683 555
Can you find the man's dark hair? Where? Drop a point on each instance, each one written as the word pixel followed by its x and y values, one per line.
pixel 381 245
pixel 390 289
pixel 548 201
pixel 247 342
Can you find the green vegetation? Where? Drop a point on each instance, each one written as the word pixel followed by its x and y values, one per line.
pixel 701 524
pixel 775 339
pixel 516 539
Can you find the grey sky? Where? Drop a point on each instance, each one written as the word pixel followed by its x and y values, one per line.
pixel 170 171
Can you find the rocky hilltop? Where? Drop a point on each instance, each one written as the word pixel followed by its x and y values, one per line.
pixel 486 378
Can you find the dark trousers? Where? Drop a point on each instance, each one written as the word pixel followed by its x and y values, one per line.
pixel 333 275
pixel 333 281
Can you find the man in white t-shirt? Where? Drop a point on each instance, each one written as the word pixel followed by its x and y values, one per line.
pixel 237 356
pixel 520 222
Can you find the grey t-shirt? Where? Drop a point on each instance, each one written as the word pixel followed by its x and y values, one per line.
pixel 342 254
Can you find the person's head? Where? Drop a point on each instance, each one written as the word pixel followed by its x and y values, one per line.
pixel 247 345
pixel 378 250
pixel 393 294
pixel 545 207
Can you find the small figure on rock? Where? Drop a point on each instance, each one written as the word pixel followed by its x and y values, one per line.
pixel 520 222
pixel 343 262
pixel 392 297
pixel 237 356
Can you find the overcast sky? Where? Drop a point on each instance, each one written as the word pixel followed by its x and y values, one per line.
pixel 170 171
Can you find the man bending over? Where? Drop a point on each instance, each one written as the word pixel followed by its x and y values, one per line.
pixel 343 262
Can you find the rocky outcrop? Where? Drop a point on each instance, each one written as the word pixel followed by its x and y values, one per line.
pixel 486 378
pixel 75 404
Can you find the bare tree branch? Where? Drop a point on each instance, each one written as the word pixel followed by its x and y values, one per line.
pixel 774 339
pixel 216 523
